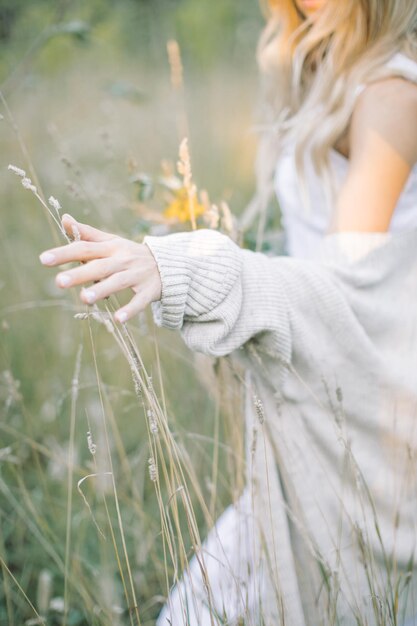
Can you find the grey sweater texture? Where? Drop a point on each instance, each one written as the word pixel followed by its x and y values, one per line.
pixel 330 347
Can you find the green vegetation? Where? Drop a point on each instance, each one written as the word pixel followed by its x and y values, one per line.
pixel 88 87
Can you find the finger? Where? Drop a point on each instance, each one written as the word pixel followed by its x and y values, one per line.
pixel 83 231
pixel 75 251
pixel 92 271
pixel 138 303
pixel 108 286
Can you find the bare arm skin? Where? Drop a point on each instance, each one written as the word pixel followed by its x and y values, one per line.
pixel 383 148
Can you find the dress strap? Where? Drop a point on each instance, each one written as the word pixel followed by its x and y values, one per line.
pixel 404 66
pixel 399 65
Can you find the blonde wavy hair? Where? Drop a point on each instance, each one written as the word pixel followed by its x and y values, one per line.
pixel 311 70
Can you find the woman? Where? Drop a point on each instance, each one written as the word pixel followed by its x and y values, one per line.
pixel 325 532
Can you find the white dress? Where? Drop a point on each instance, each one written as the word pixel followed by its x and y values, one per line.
pixel 304 230
pixel 235 577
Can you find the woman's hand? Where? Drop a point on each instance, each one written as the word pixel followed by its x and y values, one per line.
pixel 111 262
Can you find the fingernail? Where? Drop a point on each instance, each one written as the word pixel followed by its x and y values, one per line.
pixel 63 280
pixel 89 295
pixel 46 258
pixel 121 316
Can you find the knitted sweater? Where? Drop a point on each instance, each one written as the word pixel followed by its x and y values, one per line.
pixel 330 349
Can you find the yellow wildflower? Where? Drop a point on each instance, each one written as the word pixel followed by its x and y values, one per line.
pixel 179 207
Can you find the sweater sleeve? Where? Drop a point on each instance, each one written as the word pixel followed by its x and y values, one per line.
pixel 212 293
pixel 222 298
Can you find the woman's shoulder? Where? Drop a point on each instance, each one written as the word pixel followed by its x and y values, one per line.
pixel 399 71
pixel 392 88
pixel 382 155
pixel 388 107
pixel 391 94
pixel 396 80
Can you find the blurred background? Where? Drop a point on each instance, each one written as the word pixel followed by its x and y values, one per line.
pixel 92 112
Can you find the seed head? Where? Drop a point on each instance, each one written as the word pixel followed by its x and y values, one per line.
pixel 54 203
pixel 259 408
pixel 17 170
pixel 27 184
pixel 91 445
pixel 153 424
pixel 153 470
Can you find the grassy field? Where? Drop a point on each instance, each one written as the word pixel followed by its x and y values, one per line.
pixel 96 426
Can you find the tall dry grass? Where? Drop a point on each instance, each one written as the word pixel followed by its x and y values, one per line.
pixel 119 447
pixel 109 478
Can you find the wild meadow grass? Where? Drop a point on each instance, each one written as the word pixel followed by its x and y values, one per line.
pixel 119 447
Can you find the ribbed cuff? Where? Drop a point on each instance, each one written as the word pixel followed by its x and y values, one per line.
pixel 197 269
